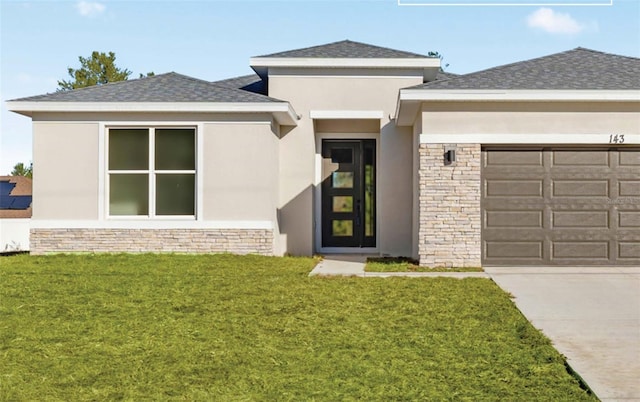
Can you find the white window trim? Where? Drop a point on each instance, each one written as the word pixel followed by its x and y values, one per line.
pixel 103 174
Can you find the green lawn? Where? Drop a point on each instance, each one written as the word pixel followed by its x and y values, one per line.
pixel 400 264
pixel 228 328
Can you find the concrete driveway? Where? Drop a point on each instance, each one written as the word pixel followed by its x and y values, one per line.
pixel 592 316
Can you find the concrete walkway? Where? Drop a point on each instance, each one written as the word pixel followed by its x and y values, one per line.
pixel 353 265
pixel 592 316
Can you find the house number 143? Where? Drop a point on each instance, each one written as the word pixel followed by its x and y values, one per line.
pixel 616 139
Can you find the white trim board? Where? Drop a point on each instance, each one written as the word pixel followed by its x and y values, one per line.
pixel 420 62
pixel 532 138
pixel 518 95
pixel 149 224
pixel 283 111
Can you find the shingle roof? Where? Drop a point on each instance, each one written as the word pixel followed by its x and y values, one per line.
pixel 577 69
pixel 444 75
pixel 346 49
pixel 15 197
pixel 23 184
pixel 252 83
pixel 169 87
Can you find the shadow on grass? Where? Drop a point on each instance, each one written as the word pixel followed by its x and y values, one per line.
pixel 10 253
pixel 406 264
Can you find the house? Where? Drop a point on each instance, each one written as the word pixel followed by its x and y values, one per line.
pixel 15 213
pixel 350 148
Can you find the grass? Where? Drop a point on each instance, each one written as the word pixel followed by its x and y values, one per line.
pixel 229 328
pixel 402 264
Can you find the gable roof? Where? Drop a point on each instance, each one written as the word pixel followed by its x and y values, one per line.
pixel 15 197
pixel 577 69
pixel 345 49
pixel 169 87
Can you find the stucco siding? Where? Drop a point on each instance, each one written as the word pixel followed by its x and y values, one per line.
pixel 65 170
pixel 530 118
pixel 395 190
pixel 343 90
pixel 240 170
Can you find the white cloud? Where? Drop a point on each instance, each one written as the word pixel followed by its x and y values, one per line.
pixel 90 9
pixel 553 22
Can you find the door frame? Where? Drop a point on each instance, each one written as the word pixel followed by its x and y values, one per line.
pixel 317 196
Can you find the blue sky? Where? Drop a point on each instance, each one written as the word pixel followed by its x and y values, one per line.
pixel 214 39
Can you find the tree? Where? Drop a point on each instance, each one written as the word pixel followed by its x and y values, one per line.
pixel 439 56
pixel 98 69
pixel 21 170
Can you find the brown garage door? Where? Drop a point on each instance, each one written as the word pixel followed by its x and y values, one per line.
pixel 561 206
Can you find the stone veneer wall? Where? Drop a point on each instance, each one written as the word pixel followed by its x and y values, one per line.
pixel 238 241
pixel 449 210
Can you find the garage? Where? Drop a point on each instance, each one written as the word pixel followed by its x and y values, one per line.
pixel 560 206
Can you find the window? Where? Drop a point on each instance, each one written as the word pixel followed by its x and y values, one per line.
pixel 152 171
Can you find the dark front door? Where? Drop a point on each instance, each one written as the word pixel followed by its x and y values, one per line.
pixel 348 193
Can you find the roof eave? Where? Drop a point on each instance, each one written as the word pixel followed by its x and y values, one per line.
pixel 282 111
pixel 406 112
pixel 409 100
pixel 419 94
pixel 425 62
pixel 430 65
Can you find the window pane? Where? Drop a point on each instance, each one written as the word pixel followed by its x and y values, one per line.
pixel 129 149
pixel 175 149
pixel 175 194
pixel 342 228
pixel 342 203
pixel 342 179
pixel 129 194
pixel 369 196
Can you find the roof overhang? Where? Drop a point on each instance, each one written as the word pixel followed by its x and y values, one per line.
pixel 430 65
pixel 281 111
pixel 410 100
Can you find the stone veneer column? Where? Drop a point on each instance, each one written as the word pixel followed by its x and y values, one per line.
pixel 449 210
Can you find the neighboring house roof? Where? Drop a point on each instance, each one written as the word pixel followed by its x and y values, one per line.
pixel 577 69
pixel 252 83
pixel 346 49
pixel 169 87
pixel 15 197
